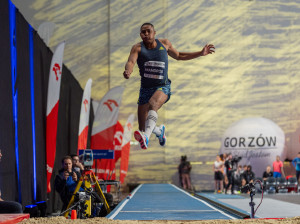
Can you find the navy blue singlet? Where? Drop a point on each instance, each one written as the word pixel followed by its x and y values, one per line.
pixel 153 65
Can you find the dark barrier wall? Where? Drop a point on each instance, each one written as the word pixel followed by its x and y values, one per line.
pixel 8 183
pixel 68 115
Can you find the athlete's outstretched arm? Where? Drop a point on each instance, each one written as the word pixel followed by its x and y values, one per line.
pixel 131 61
pixel 207 49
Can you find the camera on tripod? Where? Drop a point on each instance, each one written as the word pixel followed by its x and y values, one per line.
pixel 86 158
pixel 236 159
pixel 92 202
pixel 248 187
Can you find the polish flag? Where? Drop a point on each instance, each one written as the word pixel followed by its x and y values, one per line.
pixel 52 109
pixel 104 127
pixel 84 116
pixel 126 147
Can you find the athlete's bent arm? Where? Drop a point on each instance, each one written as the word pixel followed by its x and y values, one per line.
pixel 207 49
pixel 131 61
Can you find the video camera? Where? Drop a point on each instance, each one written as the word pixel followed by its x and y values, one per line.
pixel 236 159
pixel 87 158
pixel 247 187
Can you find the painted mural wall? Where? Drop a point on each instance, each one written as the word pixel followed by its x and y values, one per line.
pixel 254 72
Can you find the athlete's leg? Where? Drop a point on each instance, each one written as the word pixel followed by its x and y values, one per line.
pixel 142 115
pixel 155 103
pixel 147 117
pixel 139 135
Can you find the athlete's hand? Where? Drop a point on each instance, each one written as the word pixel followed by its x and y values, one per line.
pixel 126 74
pixel 208 49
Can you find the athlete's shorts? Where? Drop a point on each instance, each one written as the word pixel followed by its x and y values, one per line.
pixel 147 93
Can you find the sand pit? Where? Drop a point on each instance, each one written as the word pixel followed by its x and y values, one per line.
pixel 62 220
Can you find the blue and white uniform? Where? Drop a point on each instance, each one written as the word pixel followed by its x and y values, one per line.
pixel 153 66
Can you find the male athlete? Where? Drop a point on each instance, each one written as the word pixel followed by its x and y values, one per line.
pixel 151 56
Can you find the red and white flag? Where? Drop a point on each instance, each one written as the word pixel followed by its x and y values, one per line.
pixel 118 139
pixel 104 126
pixel 126 147
pixel 84 116
pixel 52 109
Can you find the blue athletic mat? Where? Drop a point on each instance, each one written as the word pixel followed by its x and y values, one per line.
pixel 164 202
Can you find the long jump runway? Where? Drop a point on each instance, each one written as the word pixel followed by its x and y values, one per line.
pixel 164 202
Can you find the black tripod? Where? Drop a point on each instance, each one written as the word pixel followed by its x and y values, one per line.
pixel 251 188
pixel 251 203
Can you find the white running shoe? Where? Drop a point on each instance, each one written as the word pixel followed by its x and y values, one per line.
pixel 162 137
pixel 142 139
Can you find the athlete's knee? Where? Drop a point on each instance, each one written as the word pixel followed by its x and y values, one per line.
pixel 154 104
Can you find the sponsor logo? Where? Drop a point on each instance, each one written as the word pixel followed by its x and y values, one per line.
pixel 85 102
pixel 256 140
pixel 151 76
pixel 118 137
pixel 57 71
pixel 154 70
pixel 110 103
pixel 49 169
pixel 160 64
pixel 161 48
pixel 259 142
pixel 129 126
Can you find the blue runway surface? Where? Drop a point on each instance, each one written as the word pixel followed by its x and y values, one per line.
pixel 164 202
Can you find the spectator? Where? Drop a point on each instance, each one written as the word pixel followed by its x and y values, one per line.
pixel 236 179
pixel 184 171
pixel 228 170
pixel 218 167
pixel 296 164
pixel 66 181
pixel 223 158
pixel 179 170
pixel 268 173
pixel 77 165
pixel 9 206
pixel 278 168
pixel 244 168
pixel 248 176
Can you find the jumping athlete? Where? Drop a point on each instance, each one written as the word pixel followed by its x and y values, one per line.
pixel 151 56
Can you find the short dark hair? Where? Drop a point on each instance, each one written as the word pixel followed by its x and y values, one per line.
pixel 73 155
pixel 146 24
pixel 66 157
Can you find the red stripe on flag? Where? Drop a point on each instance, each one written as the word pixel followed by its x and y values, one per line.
pixel 82 138
pixel 104 139
pixel 51 132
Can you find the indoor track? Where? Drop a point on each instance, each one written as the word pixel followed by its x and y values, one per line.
pixel 165 202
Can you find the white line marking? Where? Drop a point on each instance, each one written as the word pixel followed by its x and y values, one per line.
pixel 122 206
pixel 163 211
pixel 203 202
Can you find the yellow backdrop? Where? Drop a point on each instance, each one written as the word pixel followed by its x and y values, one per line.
pixel 254 71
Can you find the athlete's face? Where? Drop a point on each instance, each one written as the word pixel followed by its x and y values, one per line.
pixel 147 33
